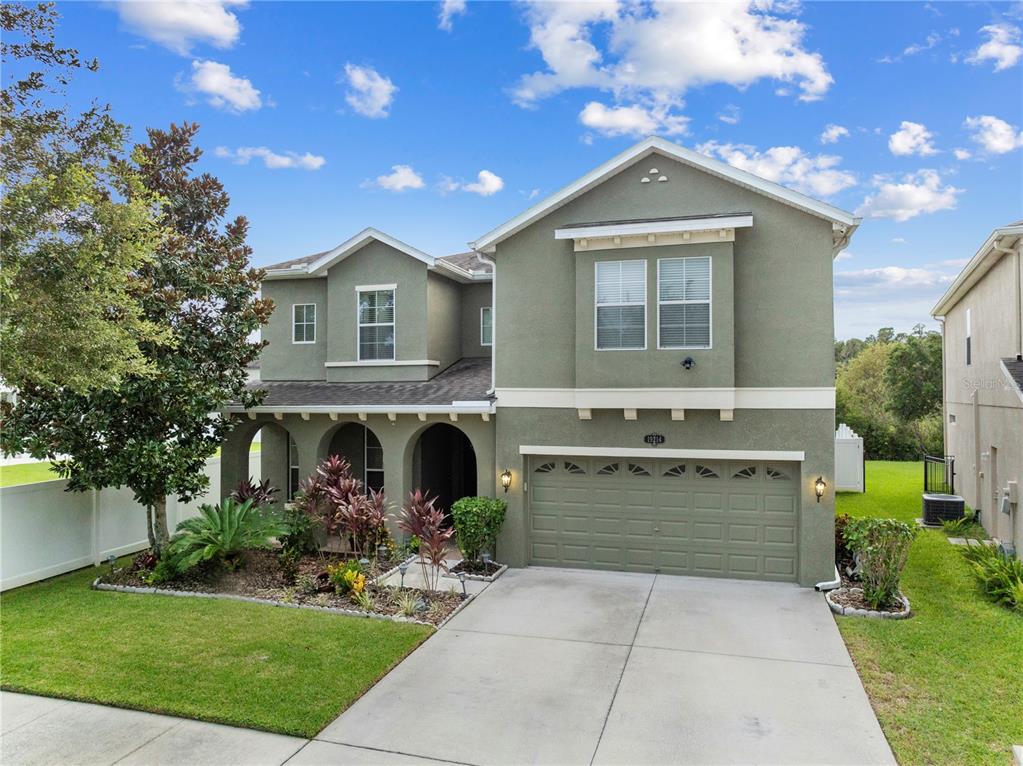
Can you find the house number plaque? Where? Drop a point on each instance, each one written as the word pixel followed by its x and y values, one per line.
pixel 654 439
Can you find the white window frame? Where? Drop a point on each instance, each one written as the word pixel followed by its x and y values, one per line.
pixel 969 338
pixel 294 323
pixel 709 302
pixel 483 313
pixel 596 268
pixel 359 290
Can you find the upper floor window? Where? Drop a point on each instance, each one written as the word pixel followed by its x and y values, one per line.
pixel 621 305
pixel 303 323
pixel 683 302
pixel 486 326
pixel 376 324
pixel 969 344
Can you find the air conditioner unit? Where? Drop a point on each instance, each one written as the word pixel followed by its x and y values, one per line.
pixel 939 508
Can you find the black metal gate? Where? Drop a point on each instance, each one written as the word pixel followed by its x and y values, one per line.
pixel 939 475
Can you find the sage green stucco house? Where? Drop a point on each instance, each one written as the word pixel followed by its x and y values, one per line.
pixel 647 353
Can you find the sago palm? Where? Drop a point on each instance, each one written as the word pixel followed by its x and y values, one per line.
pixel 222 532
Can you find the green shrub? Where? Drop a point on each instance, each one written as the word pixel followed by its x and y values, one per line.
pixel 301 535
pixel 1000 577
pixel 882 546
pixel 347 577
pixel 222 532
pixel 478 521
pixel 959 527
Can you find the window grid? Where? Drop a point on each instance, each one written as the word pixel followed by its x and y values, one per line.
pixel 619 290
pixel 376 325
pixel 694 324
pixel 303 323
pixel 486 326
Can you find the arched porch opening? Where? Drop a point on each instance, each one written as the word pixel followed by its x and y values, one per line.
pixel 359 446
pixel 444 463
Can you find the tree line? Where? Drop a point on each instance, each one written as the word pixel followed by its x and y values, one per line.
pixel 888 389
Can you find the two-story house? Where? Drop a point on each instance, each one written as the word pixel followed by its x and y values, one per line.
pixel 981 317
pixel 641 364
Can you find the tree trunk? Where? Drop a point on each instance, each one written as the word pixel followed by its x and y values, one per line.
pixel 149 527
pixel 160 523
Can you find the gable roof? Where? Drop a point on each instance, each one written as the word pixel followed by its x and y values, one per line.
pixel 979 265
pixel 317 264
pixel 844 222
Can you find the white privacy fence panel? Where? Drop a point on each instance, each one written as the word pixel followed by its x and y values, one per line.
pixel 848 460
pixel 45 531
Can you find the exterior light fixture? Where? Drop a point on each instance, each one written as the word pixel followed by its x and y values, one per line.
pixel 688 363
pixel 506 478
pixel 381 552
pixel 111 560
pixel 402 569
pixel 486 558
pixel 819 486
pixel 461 579
pixel 364 562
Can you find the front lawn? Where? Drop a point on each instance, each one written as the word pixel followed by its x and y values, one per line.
pixel 285 670
pixel 947 684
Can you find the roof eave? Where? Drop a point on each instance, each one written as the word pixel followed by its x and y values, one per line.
pixel 973 270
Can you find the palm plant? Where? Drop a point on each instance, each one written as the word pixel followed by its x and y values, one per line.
pixel 222 532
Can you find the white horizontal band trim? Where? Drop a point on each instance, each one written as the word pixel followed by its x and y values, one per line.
pixel 386 363
pixel 472 403
pixel 468 408
pixel 655 227
pixel 368 288
pixel 717 454
pixel 822 398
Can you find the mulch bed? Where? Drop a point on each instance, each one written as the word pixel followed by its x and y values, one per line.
pixel 260 577
pixel 476 568
pixel 852 596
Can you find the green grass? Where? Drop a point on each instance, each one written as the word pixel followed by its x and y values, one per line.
pixel 32 473
pixel 947 684
pixel 283 670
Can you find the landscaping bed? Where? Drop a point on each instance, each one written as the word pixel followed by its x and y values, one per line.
pixel 260 575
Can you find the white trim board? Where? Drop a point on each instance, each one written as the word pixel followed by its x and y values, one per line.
pixel 386 363
pixel 822 398
pixel 654 227
pixel 715 454
pixel 844 222
pixel 466 408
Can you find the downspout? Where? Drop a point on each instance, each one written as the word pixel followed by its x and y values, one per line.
pixel 829 584
pixel 493 319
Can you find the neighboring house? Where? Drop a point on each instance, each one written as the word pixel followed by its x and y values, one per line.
pixel 650 364
pixel 982 328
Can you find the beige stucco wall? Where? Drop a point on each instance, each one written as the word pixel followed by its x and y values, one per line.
pixel 986 438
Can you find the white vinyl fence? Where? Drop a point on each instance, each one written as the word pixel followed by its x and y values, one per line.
pixel 45 531
pixel 848 460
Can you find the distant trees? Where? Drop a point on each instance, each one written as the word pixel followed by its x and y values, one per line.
pixel 888 390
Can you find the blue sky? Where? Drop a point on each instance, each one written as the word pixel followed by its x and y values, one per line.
pixel 437 121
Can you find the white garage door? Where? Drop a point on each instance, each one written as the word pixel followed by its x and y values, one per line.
pixel 695 517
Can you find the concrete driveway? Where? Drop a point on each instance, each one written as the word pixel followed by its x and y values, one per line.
pixel 566 667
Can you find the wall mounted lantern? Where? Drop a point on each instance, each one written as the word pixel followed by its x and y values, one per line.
pixel 819 486
pixel 506 478
pixel 688 363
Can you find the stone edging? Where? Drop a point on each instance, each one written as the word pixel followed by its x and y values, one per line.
pixel 479 578
pixel 850 611
pixel 97 585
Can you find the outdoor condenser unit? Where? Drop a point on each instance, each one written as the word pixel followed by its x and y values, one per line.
pixel 939 508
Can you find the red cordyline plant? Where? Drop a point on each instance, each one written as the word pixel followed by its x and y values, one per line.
pixel 421 517
pixel 262 494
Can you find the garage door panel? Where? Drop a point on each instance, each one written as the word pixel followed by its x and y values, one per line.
pixel 733 519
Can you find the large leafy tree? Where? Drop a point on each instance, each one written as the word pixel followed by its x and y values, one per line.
pixel 75 223
pixel 913 375
pixel 154 433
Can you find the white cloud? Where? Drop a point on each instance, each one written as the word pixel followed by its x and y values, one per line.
pixel 912 138
pixel 995 136
pixel 244 154
pixel 916 193
pixel 892 296
pixel 788 165
pixel 932 39
pixel 223 89
pixel 962 154
pixel 180 24
pixel 401 178
pixel 632 50
pixel 832 133
pixel 730 115
pixel 1002 46
pixel 899 240
pixel 631 120
pixel 369 92
pixel 868 282
pixel 448 10
pixel 486 184
pixel 533 194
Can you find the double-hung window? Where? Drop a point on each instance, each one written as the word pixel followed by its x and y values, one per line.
pixel 621 305
pixel 683 302
pixel 486 326
pixel 376 324
pixel 303 323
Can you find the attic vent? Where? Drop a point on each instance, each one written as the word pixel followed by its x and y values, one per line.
pixel 654 171
pixel 644 180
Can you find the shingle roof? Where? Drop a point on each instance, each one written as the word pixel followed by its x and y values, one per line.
pixel 296 261
pixel 1015 368
pixel 465 380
